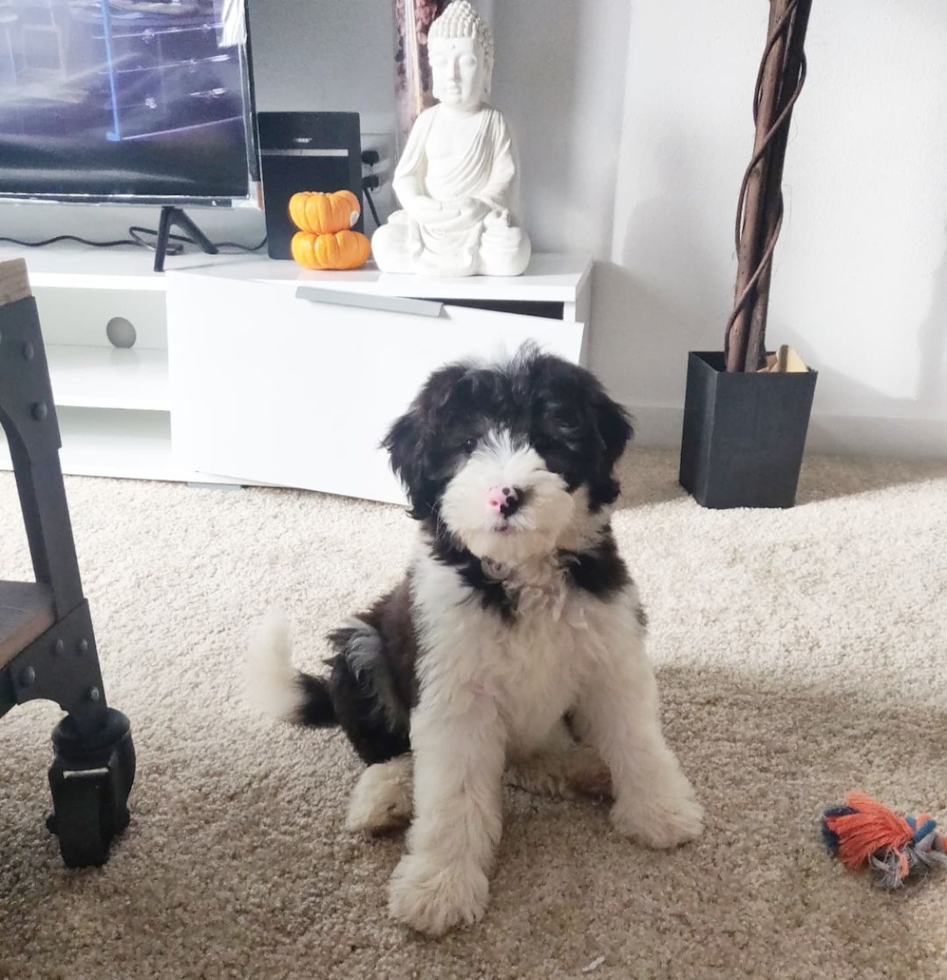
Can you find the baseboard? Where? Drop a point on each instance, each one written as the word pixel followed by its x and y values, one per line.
pixel 655 425
pixel 889 436
pixel 850 435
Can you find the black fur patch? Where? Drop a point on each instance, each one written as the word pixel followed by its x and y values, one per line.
pixel 370 733
pixel 600 570
pixel 492 595
pixel 372 700
pixel 318 709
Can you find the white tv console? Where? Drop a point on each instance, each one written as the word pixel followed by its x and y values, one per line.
pixel 236 379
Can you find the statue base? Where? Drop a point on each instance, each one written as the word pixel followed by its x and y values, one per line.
pixel 402 247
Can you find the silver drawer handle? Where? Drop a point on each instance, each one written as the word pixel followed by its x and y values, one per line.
pixel 390 304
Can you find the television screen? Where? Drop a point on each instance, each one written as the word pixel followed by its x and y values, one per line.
pixel 144 100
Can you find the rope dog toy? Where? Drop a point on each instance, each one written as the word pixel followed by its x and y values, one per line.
pixel 896 848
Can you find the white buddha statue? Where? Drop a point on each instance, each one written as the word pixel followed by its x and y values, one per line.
pixel 456 180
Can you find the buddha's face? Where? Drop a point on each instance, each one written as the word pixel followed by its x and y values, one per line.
pixel 458 71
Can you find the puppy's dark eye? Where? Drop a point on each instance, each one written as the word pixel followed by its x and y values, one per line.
pixel 469 446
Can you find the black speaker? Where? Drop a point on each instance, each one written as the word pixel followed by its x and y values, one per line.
pixel 305 151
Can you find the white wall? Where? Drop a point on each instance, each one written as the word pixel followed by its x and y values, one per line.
pixel 860 283
pixel 318 55
pixel 560 80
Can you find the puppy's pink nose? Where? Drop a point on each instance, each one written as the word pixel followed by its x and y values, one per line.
pixel 504 500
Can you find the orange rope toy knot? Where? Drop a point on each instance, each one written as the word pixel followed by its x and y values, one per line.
pixel 895 847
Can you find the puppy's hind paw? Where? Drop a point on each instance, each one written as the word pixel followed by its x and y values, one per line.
pixel 587 775
pixel 381 801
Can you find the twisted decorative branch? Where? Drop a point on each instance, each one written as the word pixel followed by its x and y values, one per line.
pixel 779 82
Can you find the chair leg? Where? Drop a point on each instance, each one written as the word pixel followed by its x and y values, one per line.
pixel 90 778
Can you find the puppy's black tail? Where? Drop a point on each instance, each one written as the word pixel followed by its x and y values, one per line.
pixel 276 686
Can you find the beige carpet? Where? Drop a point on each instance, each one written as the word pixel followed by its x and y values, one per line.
pixel 801 653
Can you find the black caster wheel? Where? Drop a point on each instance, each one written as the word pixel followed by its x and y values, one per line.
pixel 82 819
pixel 90 779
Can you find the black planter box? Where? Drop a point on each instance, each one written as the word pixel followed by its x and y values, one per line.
pixel 743 434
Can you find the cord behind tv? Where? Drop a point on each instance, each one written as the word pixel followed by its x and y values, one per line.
pixel 137 236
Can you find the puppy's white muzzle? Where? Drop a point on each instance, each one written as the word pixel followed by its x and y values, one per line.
pixel 504 504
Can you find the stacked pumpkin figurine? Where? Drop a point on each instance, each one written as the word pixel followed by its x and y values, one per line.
pixel 325 239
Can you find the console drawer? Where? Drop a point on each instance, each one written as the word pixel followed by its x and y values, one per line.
pixel 270 388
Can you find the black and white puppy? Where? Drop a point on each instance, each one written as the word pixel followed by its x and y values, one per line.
pixel 514 643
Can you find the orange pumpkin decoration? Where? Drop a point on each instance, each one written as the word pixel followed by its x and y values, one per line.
pixel 343 250
pixel 324 214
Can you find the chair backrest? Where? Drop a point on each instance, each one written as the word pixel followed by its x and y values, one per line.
pixel 28 417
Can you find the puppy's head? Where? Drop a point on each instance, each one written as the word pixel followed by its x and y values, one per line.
pixel 510 460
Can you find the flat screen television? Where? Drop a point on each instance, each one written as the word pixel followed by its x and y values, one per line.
pixel 132 101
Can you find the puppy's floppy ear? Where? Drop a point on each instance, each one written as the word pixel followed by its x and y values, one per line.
pixel 613 425
pixel 405 446
pixel 412 440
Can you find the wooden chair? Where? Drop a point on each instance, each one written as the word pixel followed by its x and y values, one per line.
pixel 47 645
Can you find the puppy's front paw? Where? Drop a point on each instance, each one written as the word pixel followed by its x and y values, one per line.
pixel 434 898
pixel 662 817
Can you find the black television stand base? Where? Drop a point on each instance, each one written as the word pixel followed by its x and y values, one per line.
pixel 175 217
